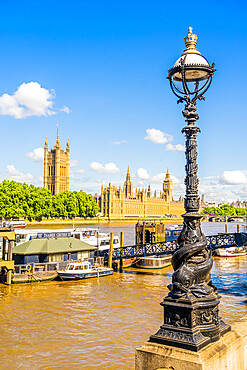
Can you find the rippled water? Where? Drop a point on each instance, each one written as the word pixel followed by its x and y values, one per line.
pixel 97 323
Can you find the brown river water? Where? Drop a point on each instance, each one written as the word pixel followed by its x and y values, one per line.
pixel 98 323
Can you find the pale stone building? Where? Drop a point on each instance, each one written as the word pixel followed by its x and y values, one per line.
pixel 121 202
pixel 56 167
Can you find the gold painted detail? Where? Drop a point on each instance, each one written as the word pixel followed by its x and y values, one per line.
pixel 190 43
pixel 9 265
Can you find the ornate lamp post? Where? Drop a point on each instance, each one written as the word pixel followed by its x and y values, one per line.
pixel 191 314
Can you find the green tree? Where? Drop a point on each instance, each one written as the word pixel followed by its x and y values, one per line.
pixel 19 200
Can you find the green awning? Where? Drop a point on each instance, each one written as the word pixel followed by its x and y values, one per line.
pixel 52 245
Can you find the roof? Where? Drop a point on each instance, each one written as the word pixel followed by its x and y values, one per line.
pixel 52 245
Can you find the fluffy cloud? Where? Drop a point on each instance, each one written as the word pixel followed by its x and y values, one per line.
pixel 65 109
pixel 12 174
pixel 233 178
pixel 107 168
pixel 119 142
pixel 142 174
pixel 80 171
pixel 157 136
pixel 176 147
pixel 37 155
pixel 30 99
pixel 74 163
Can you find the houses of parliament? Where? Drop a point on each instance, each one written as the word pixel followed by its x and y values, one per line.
pixel 122 203
pixel 114 202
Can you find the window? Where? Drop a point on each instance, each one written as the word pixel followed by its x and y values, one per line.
pixel 56 257
pixel 78 267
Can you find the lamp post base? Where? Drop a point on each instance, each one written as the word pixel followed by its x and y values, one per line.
pixel 190 322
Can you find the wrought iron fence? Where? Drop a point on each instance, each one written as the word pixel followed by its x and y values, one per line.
pixel 161 248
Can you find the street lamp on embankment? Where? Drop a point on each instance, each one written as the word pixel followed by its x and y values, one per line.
pixel 191 313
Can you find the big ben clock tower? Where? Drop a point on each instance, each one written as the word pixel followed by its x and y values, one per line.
pixel 167 187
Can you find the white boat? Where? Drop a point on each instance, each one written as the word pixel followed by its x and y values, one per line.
pixel 91 236
pixel 83 270
pixel 154 262
pixel 230 252
pixel 95 237
pixel 18 224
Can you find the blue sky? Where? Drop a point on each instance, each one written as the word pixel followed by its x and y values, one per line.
pixel 99 68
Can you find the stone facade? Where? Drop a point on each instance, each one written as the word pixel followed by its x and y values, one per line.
pixel 56 167
pixel 121 202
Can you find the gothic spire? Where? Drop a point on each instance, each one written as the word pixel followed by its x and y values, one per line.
pixel 128 174
pixel 168 173
pixel 46 143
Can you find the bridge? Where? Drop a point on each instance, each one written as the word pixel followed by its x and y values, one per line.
pixel 160 248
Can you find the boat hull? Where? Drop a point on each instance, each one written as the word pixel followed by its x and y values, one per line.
pixel 230 252
pixel 33 278
pixel 153 263
pixel 87 275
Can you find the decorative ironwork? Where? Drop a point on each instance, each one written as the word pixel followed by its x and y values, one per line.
pixel 169 247
pixel 192 298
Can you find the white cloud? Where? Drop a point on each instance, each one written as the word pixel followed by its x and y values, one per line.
pixel 176 147
pixel 157 136
pixel 142 174
pixel 12 174
pixel 65 109
pixel 30 99
pixel 74 163
pixel 37 155
pixel 233 178
pixel 119 142
pixel 107 168
pixel 79 171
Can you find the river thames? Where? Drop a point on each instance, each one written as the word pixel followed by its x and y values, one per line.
pixel 98 323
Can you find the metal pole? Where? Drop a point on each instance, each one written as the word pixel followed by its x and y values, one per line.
pixel 143 233
pixel 121 249
pixel 10 250
pixel 4 249
pixel 110 250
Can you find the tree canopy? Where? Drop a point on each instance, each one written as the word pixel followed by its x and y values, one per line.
pixel 225 210
pixel 20 200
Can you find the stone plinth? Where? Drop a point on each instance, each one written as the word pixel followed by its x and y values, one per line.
pixel 229 352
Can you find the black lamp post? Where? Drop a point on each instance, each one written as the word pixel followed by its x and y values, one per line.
pixel 191 314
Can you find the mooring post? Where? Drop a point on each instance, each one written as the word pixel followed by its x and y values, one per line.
pixel 110 250
pixel 10 250
pixel 4 249
pixel 226 228
pixel 237 228
pixel 143 233
pixel 8 278
pixel 121 250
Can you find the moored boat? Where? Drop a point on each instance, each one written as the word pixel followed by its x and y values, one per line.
pixel 33 277
pixel 154 262
pixel 77 270
pixel 230 252
pixel 16 224
pixel 91 236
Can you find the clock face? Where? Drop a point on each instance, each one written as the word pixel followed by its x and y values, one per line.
pixel 166 186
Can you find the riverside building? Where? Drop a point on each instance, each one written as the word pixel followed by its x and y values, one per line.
pixel 121 202
pixel 56 167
